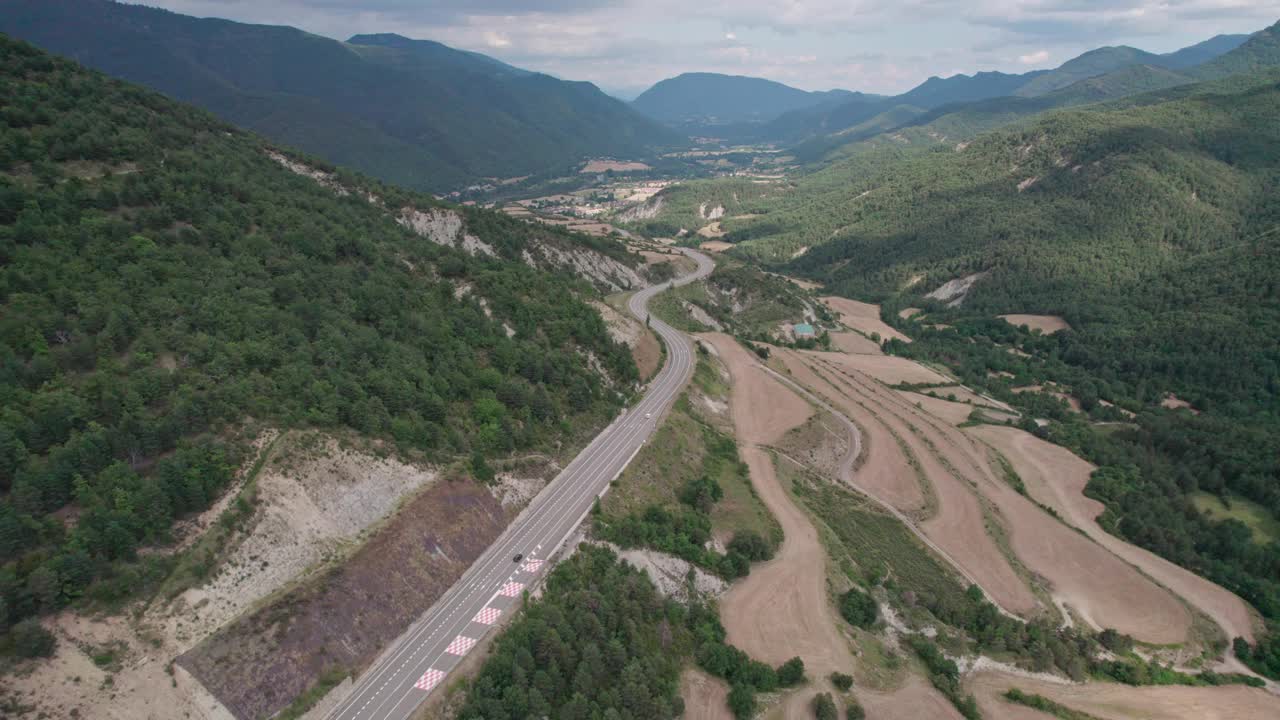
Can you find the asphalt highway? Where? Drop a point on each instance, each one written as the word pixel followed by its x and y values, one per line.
pixel 420 660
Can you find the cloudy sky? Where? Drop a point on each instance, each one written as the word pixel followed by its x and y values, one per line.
pixel 888 46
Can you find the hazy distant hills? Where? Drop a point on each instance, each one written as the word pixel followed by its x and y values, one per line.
pixel 714 99
pixel 416 113
pixel 743 108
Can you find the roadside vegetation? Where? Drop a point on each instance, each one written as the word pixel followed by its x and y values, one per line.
pixel 602 642
pixel 688 485
pixel 164 280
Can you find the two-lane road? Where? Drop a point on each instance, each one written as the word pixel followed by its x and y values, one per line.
pixel 420 659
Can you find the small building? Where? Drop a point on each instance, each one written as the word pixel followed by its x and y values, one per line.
pixel 804 331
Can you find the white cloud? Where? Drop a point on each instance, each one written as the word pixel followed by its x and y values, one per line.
pixel 865 45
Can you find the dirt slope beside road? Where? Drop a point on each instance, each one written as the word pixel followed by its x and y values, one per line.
pixel 259 663
pixel 1056 477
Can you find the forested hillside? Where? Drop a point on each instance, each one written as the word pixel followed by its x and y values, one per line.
pixel 958 107
pixel 1152 226
pixel 415 113
pixel 164 278
pixel 715 99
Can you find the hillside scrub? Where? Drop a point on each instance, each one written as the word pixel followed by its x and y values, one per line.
pixel 163 280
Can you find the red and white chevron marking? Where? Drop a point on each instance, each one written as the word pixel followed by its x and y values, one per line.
pixel 487 616
pixel 461 645
pixel 511 589
pixel 532 565
pixel 429 680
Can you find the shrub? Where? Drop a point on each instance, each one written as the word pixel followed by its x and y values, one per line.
pixel 859 608
pixel 31 640
pixel 791 672
pixel 824 708
pixel 841 681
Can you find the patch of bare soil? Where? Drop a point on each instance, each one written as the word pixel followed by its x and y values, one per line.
pixel 712 231
pixel 715 245
pixel 884 471
pixel 1057 478
pixel 344 617
pixel 856 344
pixel 915 700
pixel 1111 701
pixel 138 684
pixel 645 349
pixel 315 499
pixel 1173 402
pixel 599 166
pixel 791 589
pixel 705 697
pixel 820 444
pixel 908 313
pixel 1047 324
pixel 773 408
pixel 863 317
pixel 959 524
pixel 1097 585
pixel 889 369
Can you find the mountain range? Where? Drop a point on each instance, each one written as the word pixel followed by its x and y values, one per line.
pixel 752 108
pixel 413 112
pixel 715 99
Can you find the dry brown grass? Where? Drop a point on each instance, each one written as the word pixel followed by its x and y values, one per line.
pixel 1056 478
pixel 863 317
pixel 1111 701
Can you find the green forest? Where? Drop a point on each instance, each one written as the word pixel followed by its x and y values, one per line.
pixel 603 643
pixel 413 112
pixel 163 281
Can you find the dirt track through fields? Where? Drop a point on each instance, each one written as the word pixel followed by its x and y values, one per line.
pixel 1056 477
pixel 1101 587
pixel 789 590
pixel 885 472
pixel 781 610
pixel 958 524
